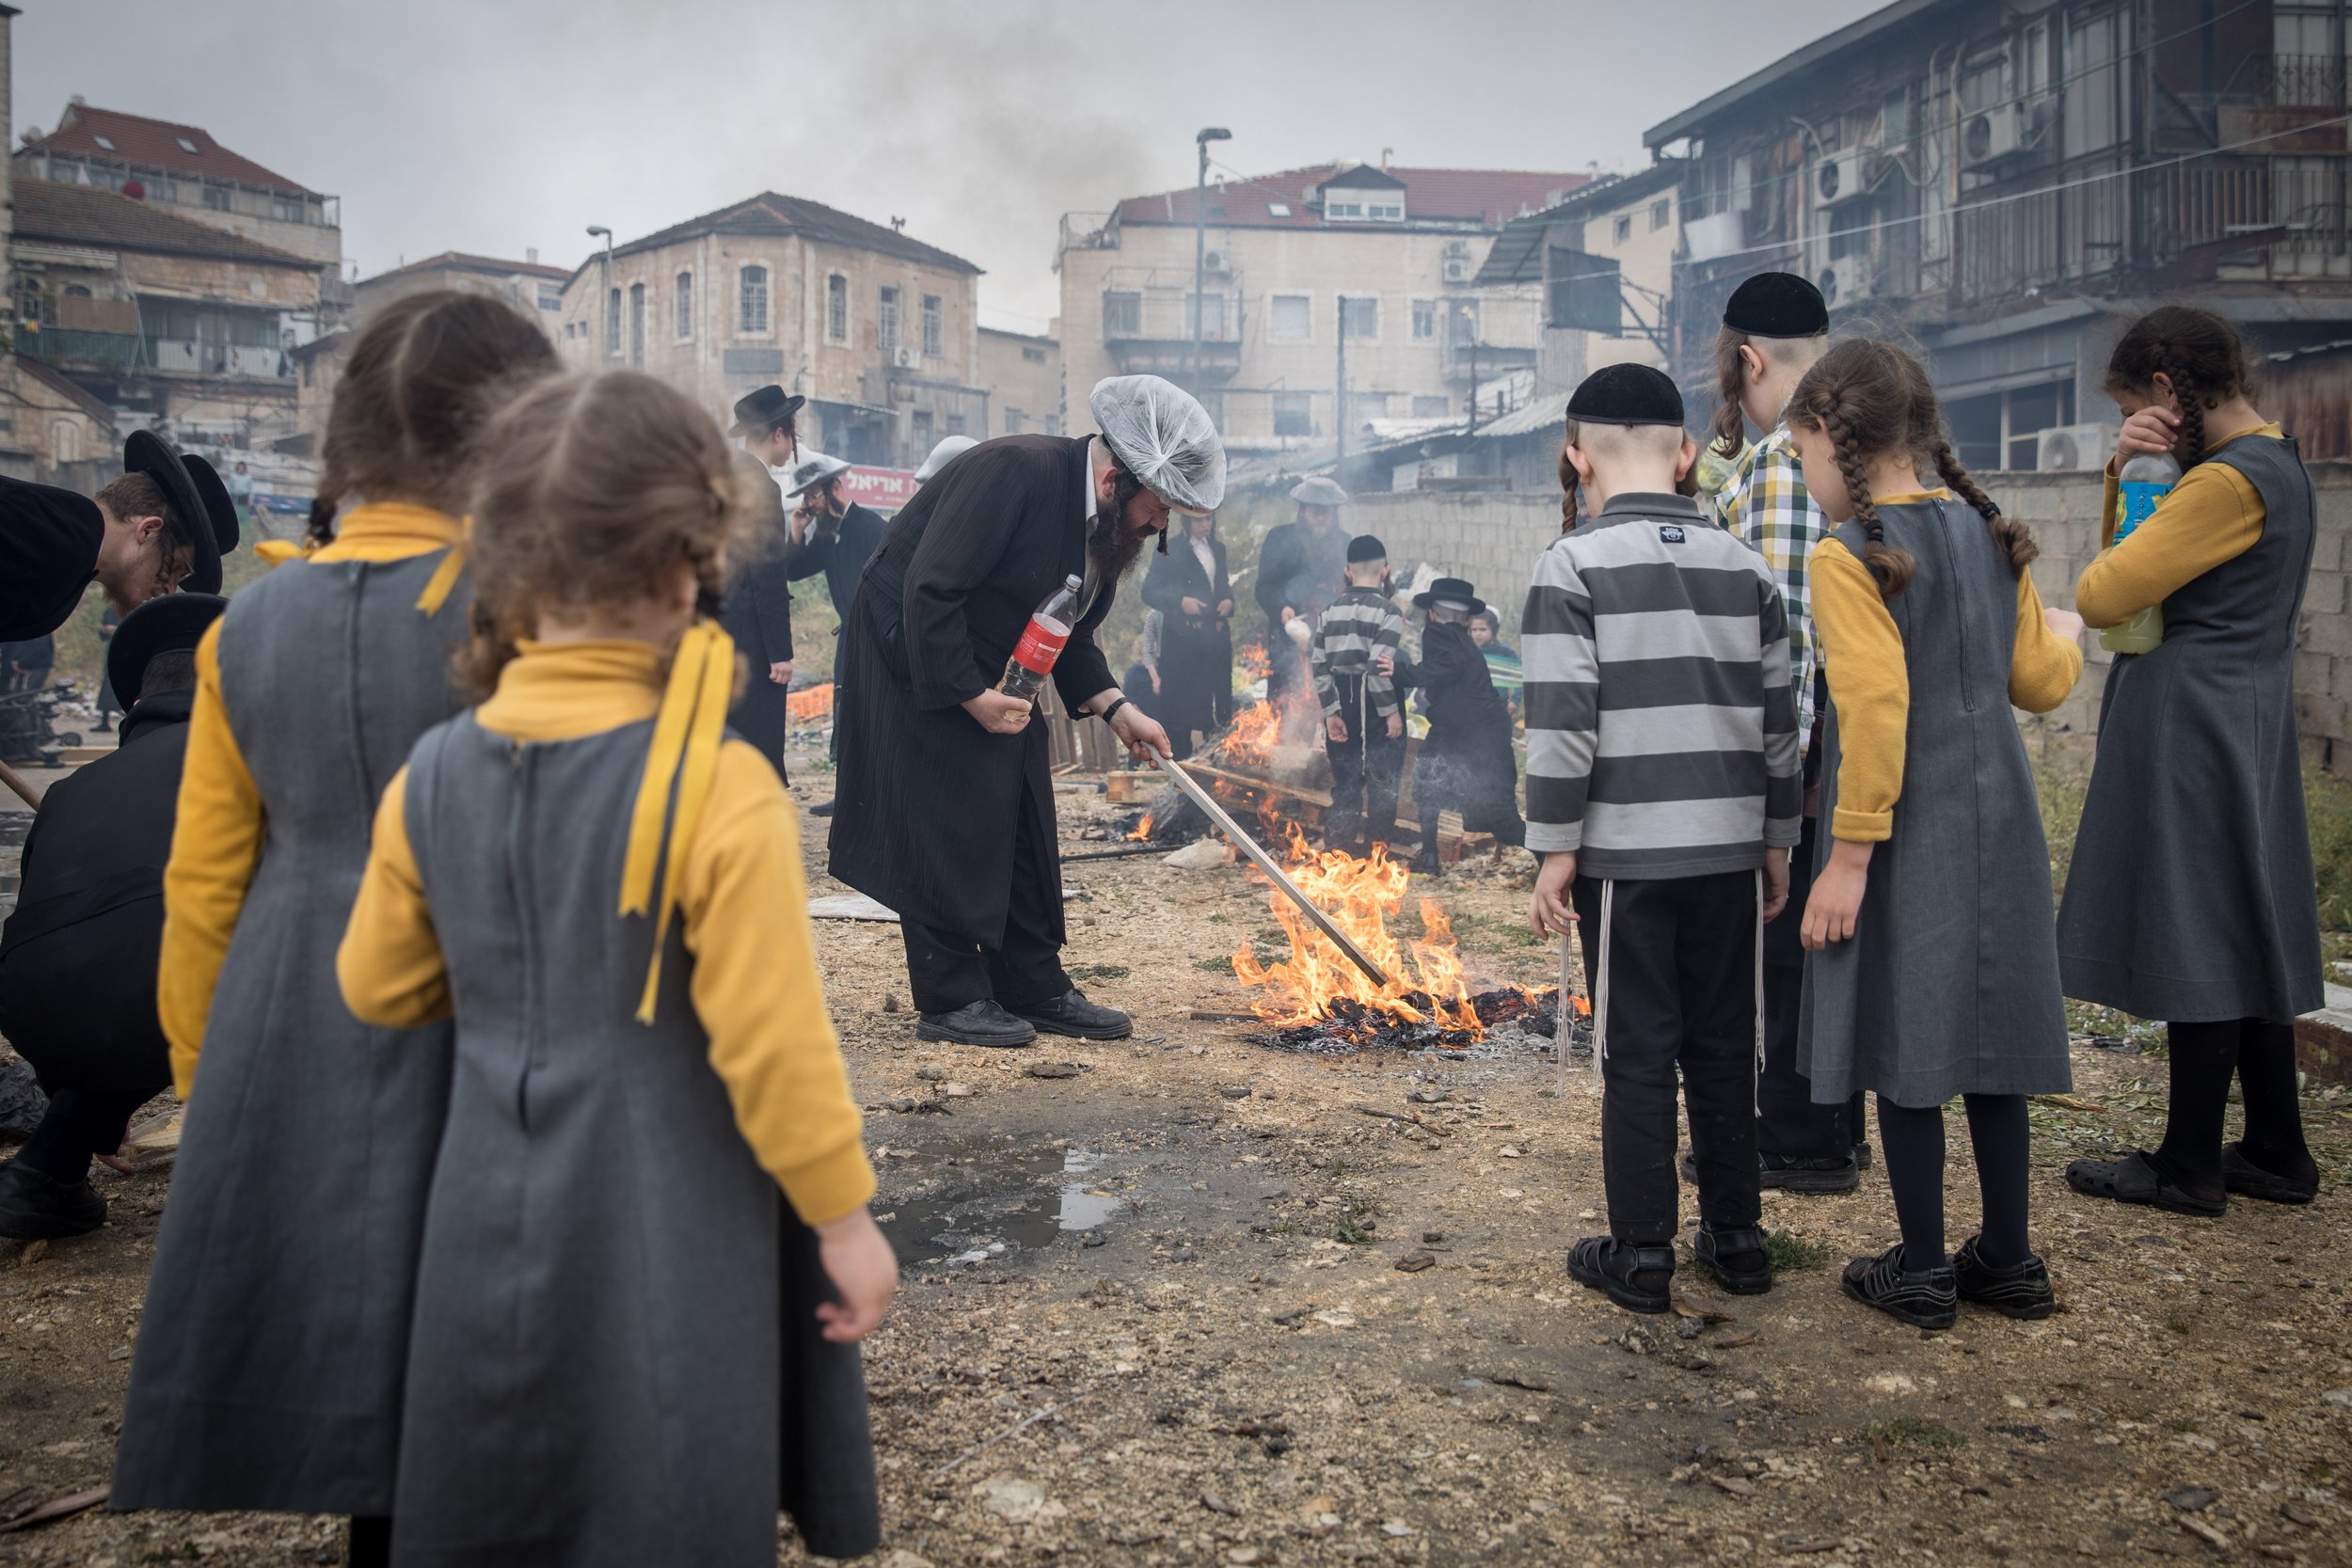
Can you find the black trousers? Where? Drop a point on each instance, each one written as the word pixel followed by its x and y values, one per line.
pixel 1680 993
pixel 947 970
pixel 77 1125
pixel 1366 769
pixel 1787 1121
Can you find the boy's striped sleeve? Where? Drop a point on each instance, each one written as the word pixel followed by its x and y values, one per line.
pixel 1783 748
pixel 1380 689
pixel 1563 694
pixel 1319 661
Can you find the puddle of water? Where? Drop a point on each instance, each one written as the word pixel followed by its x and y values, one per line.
pixel 1007 1200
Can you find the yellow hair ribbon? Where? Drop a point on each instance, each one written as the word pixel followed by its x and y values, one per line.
pixel 444 577
pixel 686 732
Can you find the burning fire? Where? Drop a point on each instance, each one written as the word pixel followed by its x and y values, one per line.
pixel 1249 741
pixel 1319 982
pixel 1253 660
pixel 1143 828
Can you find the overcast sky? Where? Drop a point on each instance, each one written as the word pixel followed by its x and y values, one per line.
pixel 494 125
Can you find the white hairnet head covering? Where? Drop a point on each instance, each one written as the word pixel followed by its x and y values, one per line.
pixel 1161 435
pixel 1319 491
pixel 949 446
pixel 813 469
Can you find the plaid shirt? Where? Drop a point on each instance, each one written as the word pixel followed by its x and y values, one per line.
pixel 1764 504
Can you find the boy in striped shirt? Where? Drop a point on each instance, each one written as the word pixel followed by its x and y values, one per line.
pixel 1363 723
pixel 1663 791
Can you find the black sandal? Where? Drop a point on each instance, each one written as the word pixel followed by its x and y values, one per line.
pixel 2137 1179
pixel 1611 1266
pixel 2249 1179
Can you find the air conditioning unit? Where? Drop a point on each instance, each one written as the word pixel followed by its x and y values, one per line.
pixel 1844 282
pixel 1458 269
pixel 1841 176
pixel 1716 234
pixel 2069 447
pixel 1992 137
pixel 906 358
pixel 1214 261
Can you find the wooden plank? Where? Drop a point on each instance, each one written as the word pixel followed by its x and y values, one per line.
pixel 1124 787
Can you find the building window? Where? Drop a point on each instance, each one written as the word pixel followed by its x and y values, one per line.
pixel 1335 210
pixel 1033 356
pixel 1277 209
pixel 684 307
pixel 934 326
pixel 1294 415
pixel 1205 317
pixel 1386 210
pixel 752 311
pixel 923 439
pixel 1661 214
pixel 1424 319
pixel 612 323
pixel 216 197
pixel 1622 230
pixel 2003 430
pixel 65 173
pixel 1122 314
pixel 65 441
pixel 107 143
pixel 1291 318
pixel 836 309
pixel 287 208
pixel 1012 420
pixel 1432 408
pixel 2094 104
pixel 187 146
pixel 887 320
pixel 550 297
pixel 1360 318
pixel 636 324
pixel 955 424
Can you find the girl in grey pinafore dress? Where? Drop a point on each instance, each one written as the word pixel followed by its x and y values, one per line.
pixel 275 1340
pixel 2191 895
pixel 1947 982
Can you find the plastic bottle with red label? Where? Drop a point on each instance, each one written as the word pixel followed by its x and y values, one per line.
pixel 1040 642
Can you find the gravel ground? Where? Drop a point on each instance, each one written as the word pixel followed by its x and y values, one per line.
pixel 1154 1314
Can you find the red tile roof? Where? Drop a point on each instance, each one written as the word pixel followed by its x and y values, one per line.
pixel 158 143
pixel 91 215
pixel 771 214
pixel 458 261
pixel 1489 198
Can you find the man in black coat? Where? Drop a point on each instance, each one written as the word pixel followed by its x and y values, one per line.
pixel 945 803
pixel 1301 570
pixel 831 533
pixel 163 525
pixel 1188 586
pixel 1466 762
pixel 758 612
pixel 77 958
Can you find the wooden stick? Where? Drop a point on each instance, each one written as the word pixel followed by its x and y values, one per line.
pixel 1264 862
pixel 1016 1427
pixel 15 780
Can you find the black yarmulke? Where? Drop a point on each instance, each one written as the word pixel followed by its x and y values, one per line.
pixel 1626 394
pixel 1777 305
pixel 1365 548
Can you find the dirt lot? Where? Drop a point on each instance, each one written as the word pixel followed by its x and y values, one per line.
pixel 1152 1315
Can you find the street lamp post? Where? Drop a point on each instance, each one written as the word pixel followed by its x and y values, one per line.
pixel 604 299
pixel 1201 237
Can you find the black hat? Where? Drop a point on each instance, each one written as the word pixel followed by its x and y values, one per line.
pixel 1365 548
pixel 764 408
pixel 1777 304
pixel 211 527
pixel 217 504
pixel 1626 395
pixel 173 623
pixel 1454 591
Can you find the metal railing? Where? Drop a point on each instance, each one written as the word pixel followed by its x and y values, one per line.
pixel 58 344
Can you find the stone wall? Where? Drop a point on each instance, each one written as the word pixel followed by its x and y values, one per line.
pixel 1493 540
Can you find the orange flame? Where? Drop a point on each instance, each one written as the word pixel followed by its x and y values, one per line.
pixel 1143 828
pixel 1425 980
pixel 1248 742
pixel 1253 660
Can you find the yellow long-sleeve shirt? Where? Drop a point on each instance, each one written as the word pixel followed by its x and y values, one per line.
pixel 1862 656
pixel 218 832
pixel 2214 514
pixel 742 896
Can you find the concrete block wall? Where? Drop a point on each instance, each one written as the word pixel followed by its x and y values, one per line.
pixel 1493 539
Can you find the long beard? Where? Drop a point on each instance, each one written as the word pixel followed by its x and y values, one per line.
pixel 1113 550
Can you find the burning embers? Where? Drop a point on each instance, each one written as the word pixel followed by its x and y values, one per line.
pixel 1321 998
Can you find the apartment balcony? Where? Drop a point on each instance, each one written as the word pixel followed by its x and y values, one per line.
pixel 1149 331
pixel 71 349
pixel 237 361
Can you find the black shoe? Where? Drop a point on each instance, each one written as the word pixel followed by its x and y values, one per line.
pixel 1737 1259
pixel 1924 1298
pixel 1638 1279
pixel 1862 1155
pixel 36 1207
pixel 981 1022
pixel 1793 1174
pixel 2137 1179
pixel 2020 1291
pixel 2249 1179
pixel 823 810
pixel 1071 1014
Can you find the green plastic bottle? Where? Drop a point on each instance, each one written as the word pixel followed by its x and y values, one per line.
pixel 2146 480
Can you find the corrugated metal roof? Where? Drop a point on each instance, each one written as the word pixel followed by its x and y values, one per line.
pixel 1517 255
pixel 1548 412
pixel 1790 65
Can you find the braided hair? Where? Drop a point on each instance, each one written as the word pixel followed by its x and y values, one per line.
pixel 2194 350
pixel 1569 480
pixel 1934 448
pixel 1860 395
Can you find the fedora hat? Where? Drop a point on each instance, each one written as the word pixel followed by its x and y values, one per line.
pixel 764 408
pixel 203 509
pixel 1454 591
pixel 173 623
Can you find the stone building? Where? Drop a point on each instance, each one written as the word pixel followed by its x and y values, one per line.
pixel 1022 377
pixel 52 431
pixel 1386 256
pixel 534 290
pixel 877 330
pixel 1604 259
